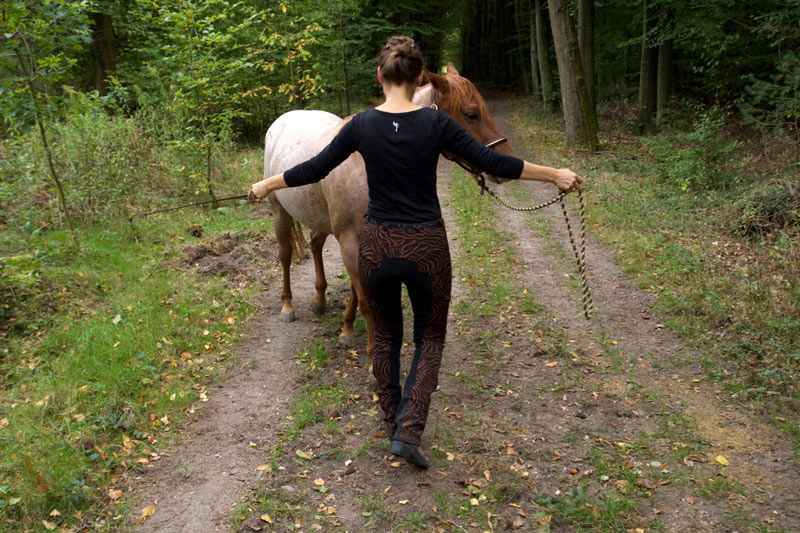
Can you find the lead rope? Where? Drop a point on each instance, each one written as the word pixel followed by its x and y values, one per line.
pixel 580 256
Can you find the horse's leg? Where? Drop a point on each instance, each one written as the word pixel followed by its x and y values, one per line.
pixel 283 232
pixel 348 242
pixel 318 302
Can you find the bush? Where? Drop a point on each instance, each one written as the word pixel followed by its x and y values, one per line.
pixel 700 159
pixel 768 209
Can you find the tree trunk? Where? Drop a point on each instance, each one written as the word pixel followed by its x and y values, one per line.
pixel 664 82
pixel 344 65
pixel 647 72
pixel 535 86
pixel 543 51
pixel 521 42
pixel 104 60
pixel 580 120
pixel 586 44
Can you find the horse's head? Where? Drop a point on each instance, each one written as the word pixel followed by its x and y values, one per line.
pixel 458 97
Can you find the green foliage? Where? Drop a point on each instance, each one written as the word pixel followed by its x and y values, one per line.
pixel 43 39
pixel 699 159
pixel 772 101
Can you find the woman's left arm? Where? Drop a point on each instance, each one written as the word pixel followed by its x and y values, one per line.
pixel 264 187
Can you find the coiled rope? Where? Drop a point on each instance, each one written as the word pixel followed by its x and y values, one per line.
pixel 580 253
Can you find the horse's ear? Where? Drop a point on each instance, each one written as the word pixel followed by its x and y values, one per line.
pixel 451 69
pixel 440 83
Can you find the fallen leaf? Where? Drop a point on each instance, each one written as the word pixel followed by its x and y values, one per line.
pixel 518 522
pixel 487 475
pixel 253 445
pixel 396 464
pixel 50 526
pixel 543 521
pixel 450 456
pixel 402 502
pixel 55 512
pixel 319 482
pixel 150 510
pixel 331 510
pixel 79 417
pixel 690 500
pixel 262 468
pixel 266 518
pixel 473 501
pixel 721 460
pixel 116 320
pixel 551 364
pixel 114 494
pixel 301 454
pixel 3 423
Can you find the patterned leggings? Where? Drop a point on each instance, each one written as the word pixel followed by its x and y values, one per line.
pixel 418 256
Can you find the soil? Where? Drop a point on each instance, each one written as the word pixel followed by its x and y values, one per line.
pixel 550 423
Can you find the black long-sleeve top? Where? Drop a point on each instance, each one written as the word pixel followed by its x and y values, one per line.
pixel 401 152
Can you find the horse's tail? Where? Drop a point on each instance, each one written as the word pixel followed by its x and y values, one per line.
pixel 298 241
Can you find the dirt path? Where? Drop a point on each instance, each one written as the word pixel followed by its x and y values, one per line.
pixel 213 467
pixel 761 461
pixel 542 422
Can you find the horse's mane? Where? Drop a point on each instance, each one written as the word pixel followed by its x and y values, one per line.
pixel 462 91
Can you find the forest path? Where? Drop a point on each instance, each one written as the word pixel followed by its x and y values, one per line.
pixel 612 425
pixel 214 464
pixel 763 471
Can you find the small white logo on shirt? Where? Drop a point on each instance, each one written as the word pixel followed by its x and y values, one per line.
pixel 396 125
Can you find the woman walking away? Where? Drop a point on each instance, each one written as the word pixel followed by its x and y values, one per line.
pixel 404 239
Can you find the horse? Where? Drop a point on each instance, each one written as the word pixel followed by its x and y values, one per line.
pixel 337 204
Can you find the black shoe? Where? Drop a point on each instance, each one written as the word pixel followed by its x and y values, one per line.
pixel 411 453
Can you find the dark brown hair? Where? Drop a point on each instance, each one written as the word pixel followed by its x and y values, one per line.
pixel 401 60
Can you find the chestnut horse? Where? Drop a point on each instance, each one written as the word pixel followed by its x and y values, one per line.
pixel 337 204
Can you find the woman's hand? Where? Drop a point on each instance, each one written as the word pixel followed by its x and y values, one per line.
pixel 258 190
pixel 264 187
pixel 567 180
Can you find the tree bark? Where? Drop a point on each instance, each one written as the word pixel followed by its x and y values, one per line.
pixel 344 65
pixel 664 82
pixel 647 72
pixel 521 42
pixel 580 119
pixel 104 60
pixel 586 44
pixel 543 51
pixel 536 88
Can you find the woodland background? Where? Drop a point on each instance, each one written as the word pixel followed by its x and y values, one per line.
pixel 109 108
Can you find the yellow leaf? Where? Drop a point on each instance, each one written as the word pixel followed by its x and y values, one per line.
pixel 396 464
pixel 319 482
pixel 253 444
pixel 551 363
pixel 55 512
pixel 721 460
pixel 402 502
pixel 50 526
pixel 450 456
pixel 114 494
pixel 261 468
pixel 473 501
pixel 150 510
pixel 3 423
pixel 331 510
pixel 266 518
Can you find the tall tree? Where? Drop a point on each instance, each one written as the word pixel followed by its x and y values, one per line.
pixel 586 44
pixel 648 70
pixel 536 88
pixel 579 117
pixel 543 51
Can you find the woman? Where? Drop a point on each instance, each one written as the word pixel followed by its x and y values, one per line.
pixel 404 239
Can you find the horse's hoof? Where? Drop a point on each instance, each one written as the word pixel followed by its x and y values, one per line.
pixel 317 309
pixel 288 317
pixel 345 340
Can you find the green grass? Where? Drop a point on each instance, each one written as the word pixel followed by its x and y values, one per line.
pixel 112 362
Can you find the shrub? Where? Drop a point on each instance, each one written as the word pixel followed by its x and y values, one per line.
pixel 768 209
pixel 699 159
